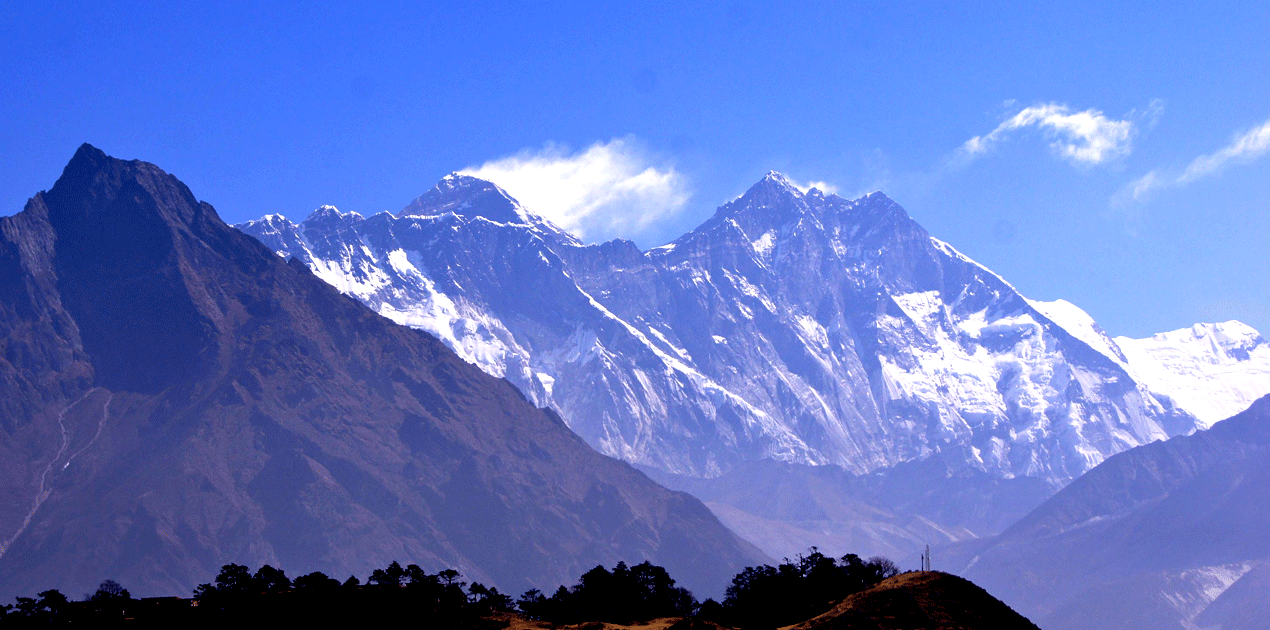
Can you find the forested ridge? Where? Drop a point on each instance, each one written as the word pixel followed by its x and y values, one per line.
pixel 758 598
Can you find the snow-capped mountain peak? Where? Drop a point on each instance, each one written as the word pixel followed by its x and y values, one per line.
pixel 801 327
pixel 1211 370
pixel 468 196
pixel 473 198
pixel 774 187
pixel 327 213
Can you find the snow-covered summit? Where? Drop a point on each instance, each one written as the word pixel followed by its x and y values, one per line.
pixel 473 198
pixel 1211 370
pixel 331 213
pixel 470 197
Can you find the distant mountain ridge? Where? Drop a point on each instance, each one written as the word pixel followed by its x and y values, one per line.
pixel 1166 535
pixel 176 397
pixel 795 326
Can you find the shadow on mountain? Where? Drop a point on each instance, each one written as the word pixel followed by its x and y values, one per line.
pixel 176 397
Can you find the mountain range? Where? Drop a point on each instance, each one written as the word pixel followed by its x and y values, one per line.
pixel 175 397
pixel 432 385
pixel 791 326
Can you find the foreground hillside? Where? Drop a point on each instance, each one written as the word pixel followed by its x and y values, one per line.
pixel 813 592
pixel 1171 535
pixel 174 397
pixel 928 599
pixel 910 601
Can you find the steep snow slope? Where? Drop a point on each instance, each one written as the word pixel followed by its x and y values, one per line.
pixel 801 327
pixel 1213 371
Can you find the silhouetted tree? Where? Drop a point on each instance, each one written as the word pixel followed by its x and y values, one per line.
pixel 796 590
pixel 622 595
pixel 110 591
pixel 711 610
pixel 533 604
pixel 488 600
pixel 882 568
pixel 416 576
pixel 394 575
pixel 450 577
pixel 315 582
pixel 26 607
pixel 270 580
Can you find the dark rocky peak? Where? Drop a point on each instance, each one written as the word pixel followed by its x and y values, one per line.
pixel 321 435
pixel 133 252
pixel 770 204
pixel 875 204
pixel 602 258
pixel 871 217
pixel 774 208
pixel 774 196
pixel 97 196
pixel 773 189
pixel 469 197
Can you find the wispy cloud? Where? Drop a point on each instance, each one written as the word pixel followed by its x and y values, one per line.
pixel 1082 138
pixel 609 189
pixel 824 187
pixel 1245 148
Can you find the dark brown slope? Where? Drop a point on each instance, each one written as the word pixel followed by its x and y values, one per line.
pixel 186 399
pixel 929 600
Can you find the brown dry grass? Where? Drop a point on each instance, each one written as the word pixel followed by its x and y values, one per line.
pixel 516 622
pixel 921 599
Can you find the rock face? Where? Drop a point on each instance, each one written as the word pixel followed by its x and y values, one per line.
pixel 1167 535
pixel 174 397
pixel 799 327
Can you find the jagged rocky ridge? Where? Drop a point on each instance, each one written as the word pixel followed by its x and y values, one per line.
pixel 796 326
pixel 174 397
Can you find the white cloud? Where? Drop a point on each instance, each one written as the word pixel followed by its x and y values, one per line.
pixel 1245 148
pixel 607 190
pixel 1248 146
pixel 1144 184
pixel 1082 138
pixel 824 187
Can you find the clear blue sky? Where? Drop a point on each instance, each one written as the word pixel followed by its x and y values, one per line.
pixel 281 109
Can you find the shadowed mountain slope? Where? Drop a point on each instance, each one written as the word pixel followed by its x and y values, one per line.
pixel 785 508
pixel 929 600
pixel 175 397
pixel 1167 535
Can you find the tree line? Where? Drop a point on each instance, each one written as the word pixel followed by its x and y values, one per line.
pixel 758 598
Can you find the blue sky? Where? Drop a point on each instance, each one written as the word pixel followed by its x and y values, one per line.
pixel 638 121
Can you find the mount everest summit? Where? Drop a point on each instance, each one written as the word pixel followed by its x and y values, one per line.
pixel 799 327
